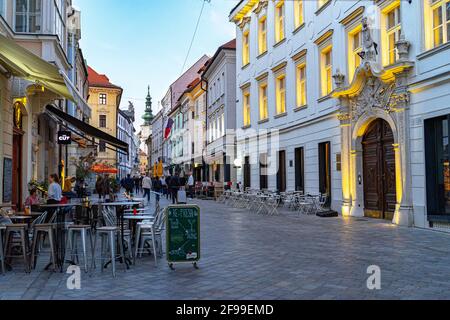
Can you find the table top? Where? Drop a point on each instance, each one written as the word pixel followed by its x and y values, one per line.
pixel 120 204
pixel 60 205
pixel 139 217
pixel 5 205
pixel 21 217
pixel 32 214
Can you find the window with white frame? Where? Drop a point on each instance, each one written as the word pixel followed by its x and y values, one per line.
pixel 392 34
pixel 222 120
pixel 354 49
pixel 263 101
pixel 246 107
pixel 280 88
pixel 441 21
pixel 298 13
pixel 279 21
pixel 262 35
pixel 28 16
pixel 59 20
pixel 102 100
pixel 246 48
pixel 301 85
pixel 326 70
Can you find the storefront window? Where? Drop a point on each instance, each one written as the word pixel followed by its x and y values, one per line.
pixel 438 166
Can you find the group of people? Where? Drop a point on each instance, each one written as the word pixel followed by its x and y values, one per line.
pixel 168 186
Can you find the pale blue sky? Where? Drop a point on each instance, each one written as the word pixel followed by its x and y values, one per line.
pixel 144 42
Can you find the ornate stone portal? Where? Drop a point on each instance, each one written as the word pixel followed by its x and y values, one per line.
pixel 375 93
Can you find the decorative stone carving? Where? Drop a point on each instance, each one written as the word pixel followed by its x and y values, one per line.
pixel 399 100
pixel 375 94
pixel 344 117
pixel 370 48
pixel 261 6
pixel 339 79
pixel 244 22
pixel 403 48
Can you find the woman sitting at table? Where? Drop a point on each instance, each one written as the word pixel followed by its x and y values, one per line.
pixel 54 195
pixel 33 199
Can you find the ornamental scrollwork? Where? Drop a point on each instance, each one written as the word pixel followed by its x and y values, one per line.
pixel 375 95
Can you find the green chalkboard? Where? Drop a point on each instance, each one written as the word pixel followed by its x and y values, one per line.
pixel 183 233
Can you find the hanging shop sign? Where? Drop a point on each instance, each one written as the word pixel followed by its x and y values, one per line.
pixel 64 137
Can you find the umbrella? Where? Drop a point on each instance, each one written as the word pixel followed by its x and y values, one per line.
pixel 104 169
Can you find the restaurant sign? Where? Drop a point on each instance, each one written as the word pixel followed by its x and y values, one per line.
pixel 64 137
pixel 183 234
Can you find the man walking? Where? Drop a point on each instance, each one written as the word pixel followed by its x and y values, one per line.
pixel 129 184
pixel 190 185
pixel 147 186
pixel 174 186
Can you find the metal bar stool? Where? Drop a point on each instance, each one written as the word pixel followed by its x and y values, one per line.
pixel 108 238
pixel 23 243
pixel 82 231
pixel 39 232
pixel 2 255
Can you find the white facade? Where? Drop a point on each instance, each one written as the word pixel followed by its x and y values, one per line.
pixel 400 80
pixel 221 115
pixel 126 133
pixel 157 138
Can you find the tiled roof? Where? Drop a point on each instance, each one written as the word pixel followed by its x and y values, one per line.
pixel 230 45
pixel 99 80
pixel 179 86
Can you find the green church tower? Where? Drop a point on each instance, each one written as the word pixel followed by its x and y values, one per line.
pixel 148 115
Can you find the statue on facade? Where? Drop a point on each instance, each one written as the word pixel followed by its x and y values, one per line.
pixel 370 47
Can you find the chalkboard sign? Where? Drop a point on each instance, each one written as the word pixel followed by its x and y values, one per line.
pixel 7 180
pixel 183 234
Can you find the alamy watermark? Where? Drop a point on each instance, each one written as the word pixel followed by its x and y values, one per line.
pixel 374 280
pixel 74 280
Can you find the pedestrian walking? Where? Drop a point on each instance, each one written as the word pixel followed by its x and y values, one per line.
pixel 147 186
pixel 167 184
pixel 137 184
pixel 157 186
pixel 99 187
pixel 174 186
pixel 128 184
pixel 190 185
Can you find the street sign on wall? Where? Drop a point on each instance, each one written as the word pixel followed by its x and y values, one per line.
pixel 183 234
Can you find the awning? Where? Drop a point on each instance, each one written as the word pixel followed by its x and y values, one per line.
pixel 89 130
pixel 24 64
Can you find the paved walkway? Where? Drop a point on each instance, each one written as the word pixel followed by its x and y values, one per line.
pixel 284 257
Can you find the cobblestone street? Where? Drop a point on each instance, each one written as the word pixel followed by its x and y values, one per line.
pixel 245 256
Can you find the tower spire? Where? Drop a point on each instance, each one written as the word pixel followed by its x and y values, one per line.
pixel 148 115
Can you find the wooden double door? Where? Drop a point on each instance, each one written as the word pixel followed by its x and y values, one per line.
pixel 380 194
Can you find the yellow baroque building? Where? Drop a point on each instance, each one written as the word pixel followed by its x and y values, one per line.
pixel 104 99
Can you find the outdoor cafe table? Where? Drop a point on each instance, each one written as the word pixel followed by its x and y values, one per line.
pixel 61 211
pixel 119 208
